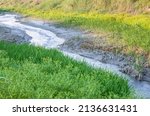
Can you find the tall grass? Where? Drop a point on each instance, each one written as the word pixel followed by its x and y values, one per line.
pixel 34 72
pixel 134 6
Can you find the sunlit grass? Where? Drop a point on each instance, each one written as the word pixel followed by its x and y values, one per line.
pixel 34 72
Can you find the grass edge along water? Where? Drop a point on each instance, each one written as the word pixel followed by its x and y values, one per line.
pixel 34 72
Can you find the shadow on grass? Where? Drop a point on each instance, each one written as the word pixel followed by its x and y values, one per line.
pixel 4 10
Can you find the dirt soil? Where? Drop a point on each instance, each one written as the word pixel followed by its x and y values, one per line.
pixel 13 35
pixel 104 52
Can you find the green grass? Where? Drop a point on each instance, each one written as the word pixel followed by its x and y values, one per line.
pixel 33 72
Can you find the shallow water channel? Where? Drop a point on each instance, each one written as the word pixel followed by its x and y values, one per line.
pixel 47 38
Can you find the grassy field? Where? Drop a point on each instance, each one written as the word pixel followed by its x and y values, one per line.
pixel 33 72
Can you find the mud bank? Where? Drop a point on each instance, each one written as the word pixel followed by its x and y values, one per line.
pixel 80 42
pixel 71 41
pixel 13 35
pixel 125 63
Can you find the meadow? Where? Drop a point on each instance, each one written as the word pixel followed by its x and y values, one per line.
pixel 34 72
